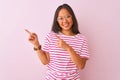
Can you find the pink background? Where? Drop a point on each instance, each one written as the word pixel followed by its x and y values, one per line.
pixel 99 21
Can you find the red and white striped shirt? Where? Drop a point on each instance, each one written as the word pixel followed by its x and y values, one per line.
pixel 61 67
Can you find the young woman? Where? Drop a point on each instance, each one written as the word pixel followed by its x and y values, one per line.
pixel 65 50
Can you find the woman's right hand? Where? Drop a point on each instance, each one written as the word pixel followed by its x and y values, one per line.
pixel 33 38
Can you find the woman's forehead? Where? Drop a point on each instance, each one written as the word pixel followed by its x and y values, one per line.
pixel 63 12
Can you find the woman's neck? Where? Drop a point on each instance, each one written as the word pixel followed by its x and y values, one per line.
pixel 68 33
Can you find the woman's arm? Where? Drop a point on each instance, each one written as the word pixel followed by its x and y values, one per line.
pixel 80 62
pixel 43 56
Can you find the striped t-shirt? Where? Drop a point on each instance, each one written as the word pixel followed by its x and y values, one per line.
pixel 61 67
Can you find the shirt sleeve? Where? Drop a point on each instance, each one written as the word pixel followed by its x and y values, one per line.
pixel 46 44
pixel 84 52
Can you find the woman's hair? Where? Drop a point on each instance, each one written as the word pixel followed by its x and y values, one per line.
pixel 55 26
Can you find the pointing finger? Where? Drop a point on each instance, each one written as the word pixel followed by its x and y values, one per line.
pixel 57 36
pixel 28 31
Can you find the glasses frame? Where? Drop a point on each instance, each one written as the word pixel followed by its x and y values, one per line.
pixel 67 17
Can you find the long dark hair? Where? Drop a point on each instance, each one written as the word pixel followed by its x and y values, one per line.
pixel 55 26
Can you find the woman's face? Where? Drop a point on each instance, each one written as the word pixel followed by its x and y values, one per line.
pixel 65 20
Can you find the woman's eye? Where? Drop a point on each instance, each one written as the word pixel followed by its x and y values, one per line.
pixel 60 18
pixel 68 16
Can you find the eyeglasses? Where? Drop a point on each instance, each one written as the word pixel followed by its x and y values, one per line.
pixel 67 17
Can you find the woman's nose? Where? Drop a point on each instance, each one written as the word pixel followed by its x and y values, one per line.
pixel 64 20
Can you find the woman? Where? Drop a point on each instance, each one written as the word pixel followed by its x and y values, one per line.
pixel 65 50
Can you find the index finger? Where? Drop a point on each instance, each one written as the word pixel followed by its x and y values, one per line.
pixel 28 31
pixel 57 36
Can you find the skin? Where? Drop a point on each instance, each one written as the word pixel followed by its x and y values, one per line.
pixel 65 21
pixel 43 56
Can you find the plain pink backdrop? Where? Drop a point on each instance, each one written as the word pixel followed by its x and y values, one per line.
pixel 99 21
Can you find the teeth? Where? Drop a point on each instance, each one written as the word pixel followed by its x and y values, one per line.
pixel 66 25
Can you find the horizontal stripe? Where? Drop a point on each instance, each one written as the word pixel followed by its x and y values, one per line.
pixel 60 61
